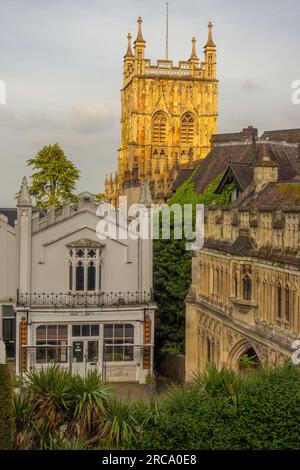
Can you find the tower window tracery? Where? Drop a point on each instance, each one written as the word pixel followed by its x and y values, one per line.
pixel 187 129
pixel 159 128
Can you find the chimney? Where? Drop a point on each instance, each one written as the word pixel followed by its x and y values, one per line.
pixel 265 172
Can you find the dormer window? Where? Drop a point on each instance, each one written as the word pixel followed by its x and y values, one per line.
pixel 84 266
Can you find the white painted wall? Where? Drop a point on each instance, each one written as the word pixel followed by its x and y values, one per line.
pixel 127 264
pixel 8 263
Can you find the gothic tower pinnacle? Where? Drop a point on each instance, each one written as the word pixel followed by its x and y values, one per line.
pixel 168 114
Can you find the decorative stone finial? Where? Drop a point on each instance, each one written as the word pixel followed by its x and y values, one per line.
pixel 193 53
pixel 210 42
pixel 24 198
pixel 139 37
pixel 129 51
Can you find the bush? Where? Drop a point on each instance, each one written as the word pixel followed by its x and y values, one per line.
pixel 6 408
pixel 266 415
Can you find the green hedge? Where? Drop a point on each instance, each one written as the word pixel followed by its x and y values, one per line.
pixel 6 410
pixel 267 416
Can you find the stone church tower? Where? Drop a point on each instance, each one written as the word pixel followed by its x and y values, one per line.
pixel 169 113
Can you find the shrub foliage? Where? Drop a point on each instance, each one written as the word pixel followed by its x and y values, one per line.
pixel 6 408
pixel 172 268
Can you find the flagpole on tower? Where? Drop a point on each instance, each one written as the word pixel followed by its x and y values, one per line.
pixel 167 30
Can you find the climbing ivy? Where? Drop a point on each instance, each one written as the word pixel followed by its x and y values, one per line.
pixel 172 269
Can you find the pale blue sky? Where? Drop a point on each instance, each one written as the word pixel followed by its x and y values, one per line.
pixel 62 64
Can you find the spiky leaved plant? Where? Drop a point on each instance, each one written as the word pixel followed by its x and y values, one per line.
pixel 6 408
pixel 49 390
pixel 90 395
pixel 215 382
pixel 119 426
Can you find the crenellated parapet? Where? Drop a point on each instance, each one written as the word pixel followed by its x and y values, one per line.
pixel 277 230
pixel 169 113
pixel 52 216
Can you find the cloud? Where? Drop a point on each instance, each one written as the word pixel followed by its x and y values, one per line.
pixel 250 86
pixel 91 118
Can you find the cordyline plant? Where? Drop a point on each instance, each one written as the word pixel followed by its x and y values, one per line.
pixel 55 178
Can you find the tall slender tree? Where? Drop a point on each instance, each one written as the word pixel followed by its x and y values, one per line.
pixel 54 179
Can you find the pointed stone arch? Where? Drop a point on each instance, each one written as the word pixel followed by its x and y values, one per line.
pixel 187 128
pixel 159 128
pixel 239 349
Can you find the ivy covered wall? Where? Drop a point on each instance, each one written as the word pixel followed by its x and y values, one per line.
pixel 172 269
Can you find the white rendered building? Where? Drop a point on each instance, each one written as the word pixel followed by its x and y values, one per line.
pixel 78 301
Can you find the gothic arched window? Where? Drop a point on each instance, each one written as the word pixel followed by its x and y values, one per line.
pixel 208 344
pixel 91 276
pixel 246 287
pixel 70 276
pixel 287 303
pixel 159 128
pixel 187 129
pixel 279 302
pixel 84 267
pixel 235 280
pixel 79 276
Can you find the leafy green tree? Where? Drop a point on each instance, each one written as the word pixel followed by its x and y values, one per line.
pixel 172 268
pixel 99 197
pixel 6 408
pixel 54 179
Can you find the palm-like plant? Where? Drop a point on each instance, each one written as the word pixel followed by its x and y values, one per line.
pixel 22 412
pixel 219 382
pixel 119 424
pixel 90 395
pixel 49 392
pixel 148 412
pixel 73 443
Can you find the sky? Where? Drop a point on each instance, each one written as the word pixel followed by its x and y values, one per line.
pixel 61 61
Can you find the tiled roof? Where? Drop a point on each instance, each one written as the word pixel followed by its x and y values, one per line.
pixel 242 153
pixel 284 135
pixel 283 195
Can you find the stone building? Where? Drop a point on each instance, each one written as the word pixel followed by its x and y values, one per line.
pixel 168 115
pixel 69 298
pixel 245 294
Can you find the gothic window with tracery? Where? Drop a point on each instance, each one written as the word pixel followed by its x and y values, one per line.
pixel 187 129
pixel 287 303
pixel 279 302
pixel 84 264
pixel 246 287
pixel 159 128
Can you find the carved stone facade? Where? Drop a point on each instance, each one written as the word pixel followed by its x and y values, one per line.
pixel 168 116
pixel 245 292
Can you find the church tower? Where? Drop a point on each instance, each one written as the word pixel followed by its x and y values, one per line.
pixel 168 115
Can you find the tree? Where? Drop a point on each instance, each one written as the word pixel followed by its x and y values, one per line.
pixel 172 269
pixel 55 177
pixel 6 408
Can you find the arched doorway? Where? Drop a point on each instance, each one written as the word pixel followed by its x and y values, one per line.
pixel 248 361
pixel 243 357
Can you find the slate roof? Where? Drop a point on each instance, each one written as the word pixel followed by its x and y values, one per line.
pixel 243 152
pixel 281 195
pixel 284 135
pixel 11 214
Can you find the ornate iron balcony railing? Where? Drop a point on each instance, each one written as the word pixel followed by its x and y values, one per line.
pixel 83 299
